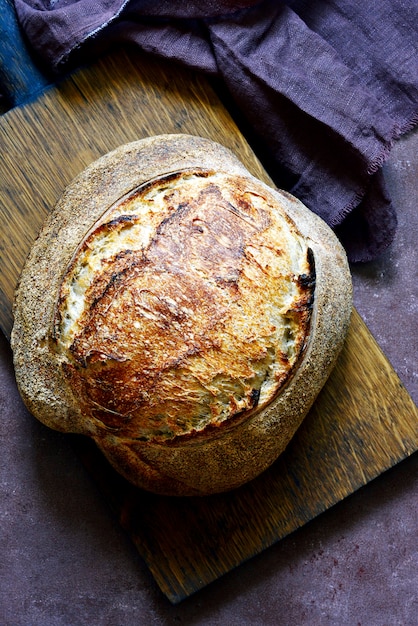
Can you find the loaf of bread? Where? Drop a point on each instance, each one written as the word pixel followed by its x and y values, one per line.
pixel 181 313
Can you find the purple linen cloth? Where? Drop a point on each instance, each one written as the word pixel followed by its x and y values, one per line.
pixel 324 87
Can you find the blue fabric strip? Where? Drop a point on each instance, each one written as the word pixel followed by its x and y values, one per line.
pixel 21 80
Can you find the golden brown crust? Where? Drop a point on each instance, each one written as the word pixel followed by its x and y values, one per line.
pixel 175 362
pixel 185 307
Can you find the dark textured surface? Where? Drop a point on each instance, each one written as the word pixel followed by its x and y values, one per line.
pixel 65 560
pixel 386 290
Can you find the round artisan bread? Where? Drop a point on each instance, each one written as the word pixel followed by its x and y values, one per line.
pixel 181 313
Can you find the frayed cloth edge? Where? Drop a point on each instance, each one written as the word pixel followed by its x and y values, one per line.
pixel 64 56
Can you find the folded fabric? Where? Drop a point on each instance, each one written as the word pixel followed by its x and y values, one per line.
pixel 324 87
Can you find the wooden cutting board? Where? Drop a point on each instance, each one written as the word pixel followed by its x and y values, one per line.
pixel 362 423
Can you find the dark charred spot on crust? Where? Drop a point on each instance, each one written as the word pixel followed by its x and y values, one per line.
pixel 255 397
pixel 307 281
pixel 304 307
pixel 121 220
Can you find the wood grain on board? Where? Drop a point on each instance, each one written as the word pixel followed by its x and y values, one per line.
pixel 363 422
